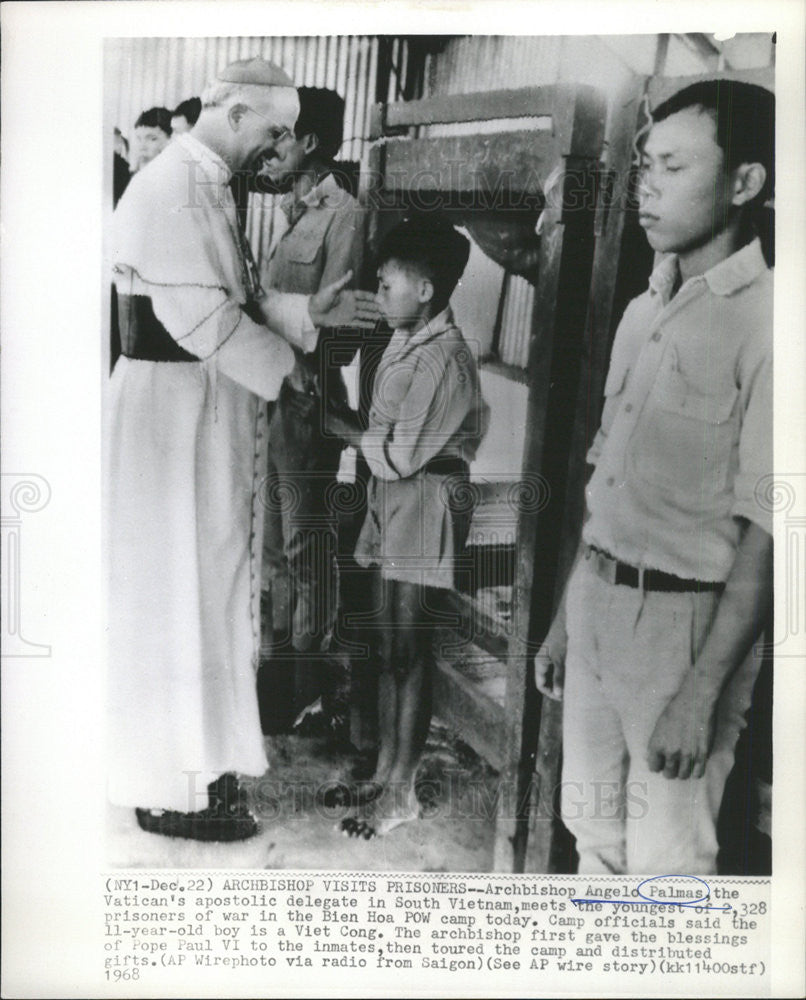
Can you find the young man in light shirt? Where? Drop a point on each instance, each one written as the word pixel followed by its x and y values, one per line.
pixel 652 646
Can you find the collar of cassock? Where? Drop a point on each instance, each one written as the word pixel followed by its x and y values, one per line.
pixel 212 165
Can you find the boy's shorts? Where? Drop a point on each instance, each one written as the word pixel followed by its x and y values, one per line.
pixel 416 528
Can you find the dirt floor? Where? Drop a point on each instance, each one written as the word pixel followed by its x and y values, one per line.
pixel 455 790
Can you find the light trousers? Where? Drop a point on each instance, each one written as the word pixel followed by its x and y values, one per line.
pixel 628 653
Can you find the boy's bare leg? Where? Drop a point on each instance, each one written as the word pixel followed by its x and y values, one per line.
pixel 408 670
pixel 413 653
pixel 358 793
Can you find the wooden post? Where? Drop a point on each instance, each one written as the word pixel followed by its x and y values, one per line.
pixel 548 844
pixel 557 323
pixel 547 848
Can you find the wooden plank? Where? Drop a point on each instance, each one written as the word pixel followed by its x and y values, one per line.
pixel 489 167
pixel 705 47
pixel 661 53
pixel 507 846
pixel 475 625
pixel 559 102
pixel 554 358
pixel 477 720
pixel 545 834
pixel 370 184
pixel 511 372
pixel 579 121
pixel 525 102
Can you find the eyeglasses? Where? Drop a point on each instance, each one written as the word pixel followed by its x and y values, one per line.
pixel 278 132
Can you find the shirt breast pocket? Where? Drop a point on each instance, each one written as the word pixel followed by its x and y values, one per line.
pixel 685 437
pixel 305 249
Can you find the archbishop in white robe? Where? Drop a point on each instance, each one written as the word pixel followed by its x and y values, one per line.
pixel 187 430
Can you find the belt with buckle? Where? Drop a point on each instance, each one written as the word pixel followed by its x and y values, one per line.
pixel 622 574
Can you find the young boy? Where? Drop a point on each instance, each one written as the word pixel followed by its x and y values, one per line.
pixel 426 422
pixel 673 583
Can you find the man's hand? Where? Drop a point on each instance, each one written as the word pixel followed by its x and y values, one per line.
pixel 683 735
pixel 302 401
pixel 550 661
pixel 333 306
pixel 341 427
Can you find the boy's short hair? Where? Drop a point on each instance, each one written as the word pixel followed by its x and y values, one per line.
pixel 321 113
pixel 155 118
pixel 744 114
pixel 428 243
pixel 189 110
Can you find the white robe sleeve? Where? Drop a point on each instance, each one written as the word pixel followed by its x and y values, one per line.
pixel 211 325
pixel 219 331
pixel 287 313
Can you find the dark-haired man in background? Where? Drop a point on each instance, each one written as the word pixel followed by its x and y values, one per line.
pixel 673 583
pixel 185 115
pixel 152 133
pixel 323 239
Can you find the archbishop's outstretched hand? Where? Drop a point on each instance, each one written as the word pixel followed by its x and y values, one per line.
pixel 335 306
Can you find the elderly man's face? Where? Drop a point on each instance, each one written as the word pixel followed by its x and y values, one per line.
pixel 262 126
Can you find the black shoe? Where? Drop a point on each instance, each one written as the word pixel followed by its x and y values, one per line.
pixel 227 818
pixel 206 825
pixel 227 796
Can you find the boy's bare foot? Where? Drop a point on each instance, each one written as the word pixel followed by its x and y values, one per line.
pixel 353 793
pixel 357 788
pixel 383 814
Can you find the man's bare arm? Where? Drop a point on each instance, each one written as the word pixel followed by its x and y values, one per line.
pixel 683 735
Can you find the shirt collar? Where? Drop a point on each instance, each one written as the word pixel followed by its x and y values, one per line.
pixel 211 163
pixel 738 270
pixel 726 277
pixel 433 328
pixel 326 188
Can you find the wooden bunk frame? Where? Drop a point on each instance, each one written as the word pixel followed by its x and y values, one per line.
pixel 508 168
pixel 572 325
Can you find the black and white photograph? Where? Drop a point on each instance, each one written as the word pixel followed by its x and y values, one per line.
pixel 403 498
pixel 392 317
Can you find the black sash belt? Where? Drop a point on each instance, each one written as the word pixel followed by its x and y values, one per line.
pixel 448 465
pixel 142 336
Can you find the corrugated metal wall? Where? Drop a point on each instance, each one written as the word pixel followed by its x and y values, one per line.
pixel 478 63
pixel 144 72
pixel 494 62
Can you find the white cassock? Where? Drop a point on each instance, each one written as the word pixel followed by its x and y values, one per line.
pixel 185 463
